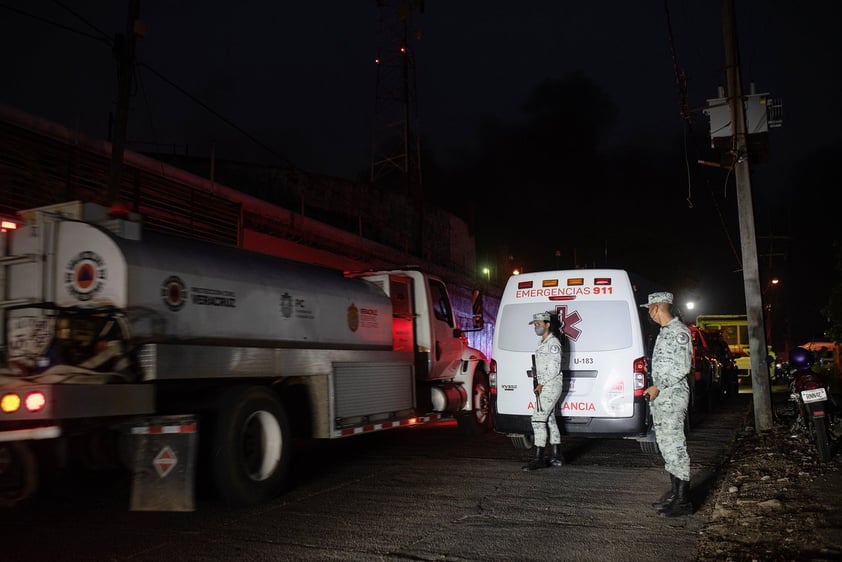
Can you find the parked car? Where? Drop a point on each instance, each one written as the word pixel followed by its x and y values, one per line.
pixel 706 370
pixel 728 364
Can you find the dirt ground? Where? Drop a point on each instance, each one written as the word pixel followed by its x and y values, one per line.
pixel 774 500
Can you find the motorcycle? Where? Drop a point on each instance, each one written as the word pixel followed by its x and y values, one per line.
pixel 816 411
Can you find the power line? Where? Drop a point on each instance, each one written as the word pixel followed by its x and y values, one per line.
pixel 680 77
pixel 105 39
pixel 724 225
pixel 215 113
pixel 106 36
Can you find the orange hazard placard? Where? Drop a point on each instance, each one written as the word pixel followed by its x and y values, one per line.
pixel 165 461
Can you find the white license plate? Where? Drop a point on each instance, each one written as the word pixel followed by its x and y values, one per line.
pixel 814 395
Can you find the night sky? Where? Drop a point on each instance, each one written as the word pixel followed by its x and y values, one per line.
pixel 554 128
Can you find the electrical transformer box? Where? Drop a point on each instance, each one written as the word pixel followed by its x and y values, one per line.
pixel 756 110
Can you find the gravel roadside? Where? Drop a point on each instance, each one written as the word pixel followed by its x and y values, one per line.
pixel 773 499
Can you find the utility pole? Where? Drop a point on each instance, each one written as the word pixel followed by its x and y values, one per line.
pixel 124 52
pixel 760 386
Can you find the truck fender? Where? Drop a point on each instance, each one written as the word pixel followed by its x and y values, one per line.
pixel 477 412
pixel 473 365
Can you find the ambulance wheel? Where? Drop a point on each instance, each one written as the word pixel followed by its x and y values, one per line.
pixel 252 446
pixel 18 473
pixel 479 419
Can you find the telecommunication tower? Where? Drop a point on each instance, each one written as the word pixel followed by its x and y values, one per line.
pixel 395 147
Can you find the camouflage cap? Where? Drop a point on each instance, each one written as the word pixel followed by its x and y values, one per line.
pixel 540 317
pixel 654 298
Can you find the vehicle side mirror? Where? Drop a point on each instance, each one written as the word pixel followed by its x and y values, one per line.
pixel 477 309
pixel 477 312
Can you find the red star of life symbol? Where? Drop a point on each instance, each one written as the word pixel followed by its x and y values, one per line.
pixel 568 322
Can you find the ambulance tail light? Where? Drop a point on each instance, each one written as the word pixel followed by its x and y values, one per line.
pixel 639 376
pixel 492 377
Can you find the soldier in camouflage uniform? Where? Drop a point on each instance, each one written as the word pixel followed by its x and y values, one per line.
pixel 548 383
pixel 669 398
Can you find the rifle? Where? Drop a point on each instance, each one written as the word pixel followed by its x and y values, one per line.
pixel 535 385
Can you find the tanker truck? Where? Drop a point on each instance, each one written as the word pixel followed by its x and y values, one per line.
pixel 111 331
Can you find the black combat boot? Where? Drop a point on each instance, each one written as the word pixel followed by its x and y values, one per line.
pixel 538 462
pixel 557 459
pixel 661 504
pixel 681 504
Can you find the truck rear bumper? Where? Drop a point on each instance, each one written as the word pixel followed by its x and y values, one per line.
pixel 34 433
pixel 76 401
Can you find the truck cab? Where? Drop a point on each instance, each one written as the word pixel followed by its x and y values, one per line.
pixel 424 322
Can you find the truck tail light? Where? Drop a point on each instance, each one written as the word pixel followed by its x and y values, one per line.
pixel 10 403
pixel 33 402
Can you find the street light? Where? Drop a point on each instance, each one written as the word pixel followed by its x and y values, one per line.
pixel 690 306
pixel 487 272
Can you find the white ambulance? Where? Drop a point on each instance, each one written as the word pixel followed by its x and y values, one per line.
pixel 607 339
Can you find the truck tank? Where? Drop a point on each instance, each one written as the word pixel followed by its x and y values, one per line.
pixel 182 290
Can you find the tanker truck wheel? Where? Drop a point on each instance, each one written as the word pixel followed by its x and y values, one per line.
pixel 18 473
pixel 252 446
pixel 479 419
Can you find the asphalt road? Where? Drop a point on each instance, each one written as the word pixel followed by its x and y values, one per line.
pixel 424 493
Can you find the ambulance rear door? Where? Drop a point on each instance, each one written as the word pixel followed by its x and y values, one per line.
pixel 605 348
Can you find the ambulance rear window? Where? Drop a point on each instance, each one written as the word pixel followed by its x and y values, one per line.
pixel 590 325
